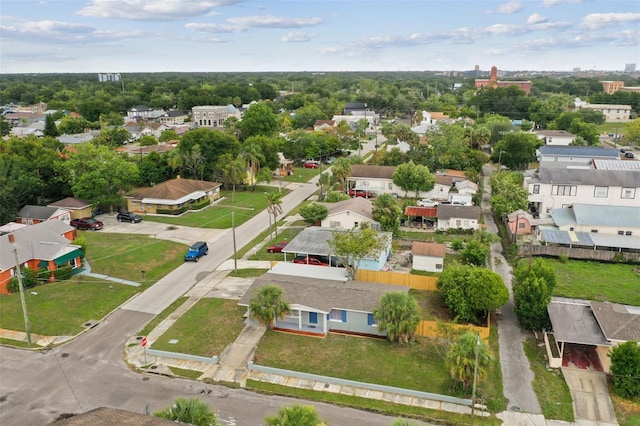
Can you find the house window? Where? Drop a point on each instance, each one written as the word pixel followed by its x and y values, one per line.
pixel 294 313
pixel 536 189
pixel 334 224
pixel 338 315
pixel 355 224
pixel 458 223
pixel 628 193
pixel 601 192
pixel 371 320
pixel 628 233
pixel 313 317
pixel 620 232
pixel 390 185
pixel 572 229
pixel 438 265
pixel 594 231
pixel 564 190
pixel 521 225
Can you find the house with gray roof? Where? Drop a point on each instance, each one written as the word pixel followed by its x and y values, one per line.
pixel 45 245
pixel 78 207
pixel 555 137
pixel 172 196
pixel 574 156
pixel 596 326
pixel 552 188
pixel 379 180
pixel 321 306
pixel 458 217
pixel 349 214
pixel 31 214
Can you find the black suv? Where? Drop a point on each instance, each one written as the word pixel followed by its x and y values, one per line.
pixel 129 217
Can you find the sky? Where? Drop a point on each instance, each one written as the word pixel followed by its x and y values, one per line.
pixel 125 36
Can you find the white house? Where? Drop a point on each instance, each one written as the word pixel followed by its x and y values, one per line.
pixel 379 180
pixel 458 217
pixel 428 256
pixel 467 187
pixel 556 187
pixel 350 214
pixel 610 220
pixel 555 137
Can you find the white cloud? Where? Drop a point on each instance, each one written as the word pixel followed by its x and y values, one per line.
pixel 213 28
pixel 552 3
pixel 510 7
pixel 536 18
pixel 598 20
pixel 152 10
pixel 297 37
pixel 504 29
pixel 61 33
pixel 269 21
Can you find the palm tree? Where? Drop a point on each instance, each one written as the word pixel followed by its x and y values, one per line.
pixel 460 359
pixel 253 156
pixel 233 172
pixel 295 415
pixel 274 208
pixel 190 411
pixel 341 171
pixel 398 315
pixel 268 304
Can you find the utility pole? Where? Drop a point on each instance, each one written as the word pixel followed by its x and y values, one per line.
pixel 235 254
pixel 475 378
pixel 22 299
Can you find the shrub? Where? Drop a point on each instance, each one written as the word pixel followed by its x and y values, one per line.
pixel 625 369
pixel 63 273
pixel 457 244
pixel 563 258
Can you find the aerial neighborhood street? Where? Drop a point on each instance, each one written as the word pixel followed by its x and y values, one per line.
pixel 295 214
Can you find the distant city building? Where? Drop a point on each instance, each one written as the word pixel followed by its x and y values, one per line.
pixel 213 116
pixel 612 113
pixel 102 77
pixel 577 69
pixel 494 82
pixel 612 87
pixel 630 68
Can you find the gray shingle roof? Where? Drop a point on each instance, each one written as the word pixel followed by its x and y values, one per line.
pixel 618 322
pixel 447 211
pixel 360 205
pixel 373 172
pixel 579 151
pixel 574 322
pixel 561 176
pixel 71 203
pixel 40 241
pixel 37 212
pixel 324 295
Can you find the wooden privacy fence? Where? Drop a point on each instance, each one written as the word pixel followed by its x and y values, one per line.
pixel 526 250
pixel 417 282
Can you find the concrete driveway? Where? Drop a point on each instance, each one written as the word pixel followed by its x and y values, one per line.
pixel 591 400
pixel 180 234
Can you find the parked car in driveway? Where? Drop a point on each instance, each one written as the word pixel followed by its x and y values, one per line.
pixel 330 160
pixel 277 248
pixel 310 165
pixel 128 217
pixel 87 224
pixel 311 260
pixel 427 202
pixel 360 193
pixel 628 154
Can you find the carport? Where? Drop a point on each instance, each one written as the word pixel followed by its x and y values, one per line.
pixel 575 325
pixel 311 241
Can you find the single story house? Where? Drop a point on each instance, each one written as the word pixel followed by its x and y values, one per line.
pixel 591 329
pixel 173 196
pixel 323 125
pixel 458 217
pixel 428 256
pixel 519 222
pixel 467 187
pixel 174 117
pixel 30 215
pixel 314 241
pixel 78 208
pixel 44 245
pixel 555 137
pixel 320 306
pixel 350 214
pixel 421 217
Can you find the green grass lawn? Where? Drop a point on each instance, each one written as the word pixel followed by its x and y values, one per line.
pixel 205 329
pixel 246 204
pixel 438 237
pixel 550 387
pixel 61 309
pixel 125 256
pixel 302 175
pixel 285 235
pixel 613 282
pixel 412 366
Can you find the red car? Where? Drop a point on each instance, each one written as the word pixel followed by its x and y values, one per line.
pixel 310 165
pixel 277 248
pixel 87 223
pixel 360 193
pixel 311 260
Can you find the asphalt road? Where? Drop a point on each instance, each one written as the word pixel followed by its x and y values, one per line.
pixel 90 372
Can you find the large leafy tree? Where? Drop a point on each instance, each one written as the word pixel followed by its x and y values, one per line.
pixel 632 132
pixel 259 119
pixel 295 415
pixel 98 172
pixel 153 169
pixel 189 411
pixel 252 154
pixel 268 304
pixel 17 185
pixel 50 128
pixel 413 177
pixel 398 314
pixel 210 145
pixel 307 115
pixel 518 149
pixel 351 246
pixel 387 212
pixel 533 286
pixel 475 253
pixel 470 292
pixel 625 369
pixel 461 359
pixel 507 192
pixel 232 171
pixel 313 213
